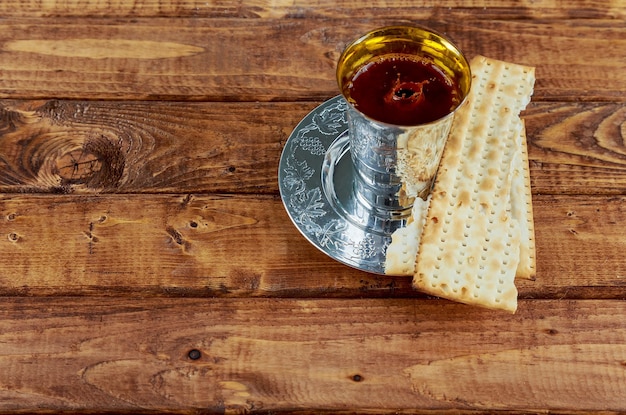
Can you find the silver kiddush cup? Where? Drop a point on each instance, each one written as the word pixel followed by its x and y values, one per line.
pixel 394 164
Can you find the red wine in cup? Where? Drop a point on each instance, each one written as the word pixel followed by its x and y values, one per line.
pixel 403 89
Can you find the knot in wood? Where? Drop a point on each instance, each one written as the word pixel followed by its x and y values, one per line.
pixel 97 164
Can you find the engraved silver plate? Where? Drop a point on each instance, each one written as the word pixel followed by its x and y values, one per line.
pixel 316 180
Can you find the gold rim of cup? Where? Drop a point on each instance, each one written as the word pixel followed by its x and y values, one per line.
pixel 414 40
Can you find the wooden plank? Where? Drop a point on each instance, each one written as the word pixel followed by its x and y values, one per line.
pixel 240 246
pixel 146 147
pixel 432 9
pixel 180 59
pixel 577 148
pixel 61 354
pixel 87 147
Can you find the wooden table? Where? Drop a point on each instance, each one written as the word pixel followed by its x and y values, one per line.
pixel 148 264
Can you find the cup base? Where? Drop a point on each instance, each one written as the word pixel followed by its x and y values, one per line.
pixel 373 210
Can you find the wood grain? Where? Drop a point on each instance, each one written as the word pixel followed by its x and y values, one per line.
pixel 293 355
pixel 323 8
pixel 89 147
pixel 237 246
pixel 577 148
pixel 178 59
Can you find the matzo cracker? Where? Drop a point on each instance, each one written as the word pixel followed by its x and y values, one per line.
pixel 401 253
pixel 470 246
pixel 522 211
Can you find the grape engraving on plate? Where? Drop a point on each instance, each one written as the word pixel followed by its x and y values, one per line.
pixel 308 206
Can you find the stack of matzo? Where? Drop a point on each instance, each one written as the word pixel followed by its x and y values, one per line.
pixel 477 233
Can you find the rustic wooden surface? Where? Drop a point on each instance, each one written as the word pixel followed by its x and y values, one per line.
pixel 147 262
